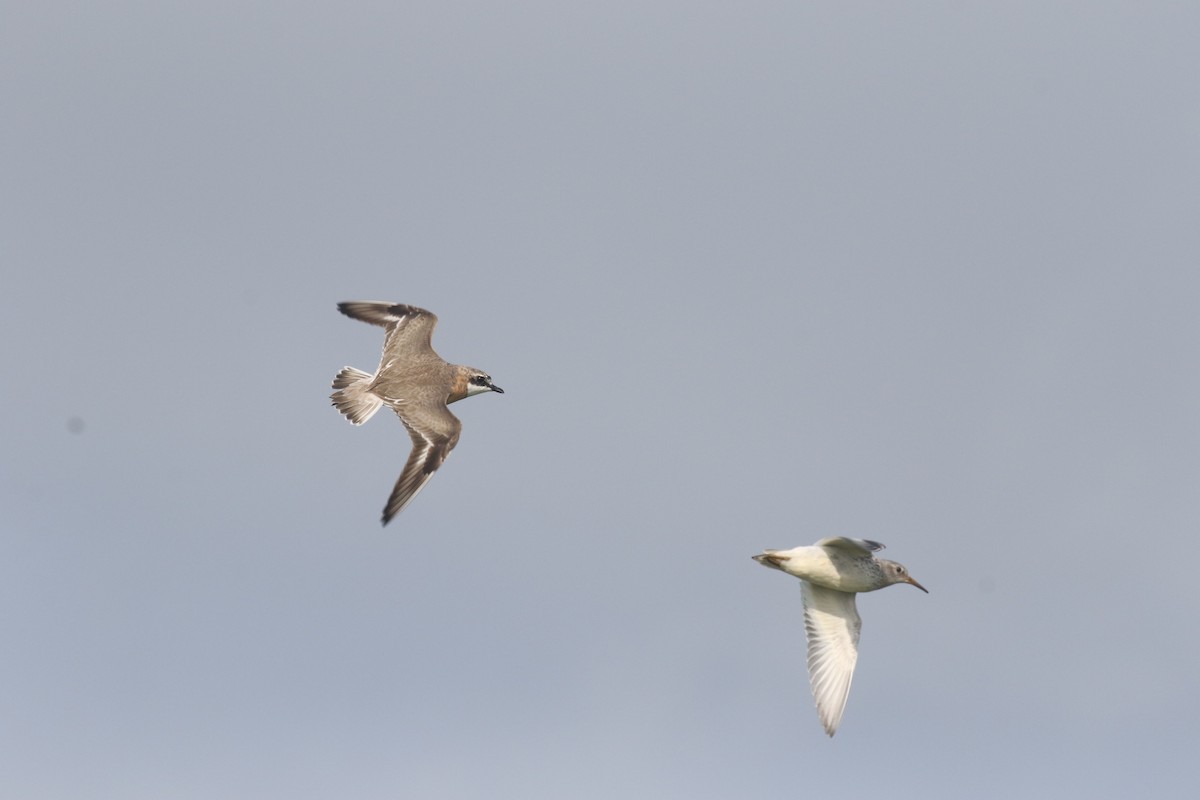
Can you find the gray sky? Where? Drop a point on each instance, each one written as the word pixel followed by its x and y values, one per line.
pixel 750 274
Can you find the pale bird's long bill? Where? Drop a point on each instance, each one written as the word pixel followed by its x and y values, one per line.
pixel 919 586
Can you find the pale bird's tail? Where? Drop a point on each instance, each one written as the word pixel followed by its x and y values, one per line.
pixel 352 397
pixel 771 558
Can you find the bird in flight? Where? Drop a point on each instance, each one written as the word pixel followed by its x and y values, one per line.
pixel 831 572
pixel 413 381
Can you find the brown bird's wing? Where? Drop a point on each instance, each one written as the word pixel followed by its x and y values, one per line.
pixel 434 431
pixel 409 329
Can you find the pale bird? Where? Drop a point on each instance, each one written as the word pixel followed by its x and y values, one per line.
pixel 831 572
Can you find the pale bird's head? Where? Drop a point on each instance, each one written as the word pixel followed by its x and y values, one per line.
pixel 898 573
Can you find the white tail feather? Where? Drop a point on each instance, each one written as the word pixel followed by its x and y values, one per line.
pixel 352 398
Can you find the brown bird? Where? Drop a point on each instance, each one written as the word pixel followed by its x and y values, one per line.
pixel 414 382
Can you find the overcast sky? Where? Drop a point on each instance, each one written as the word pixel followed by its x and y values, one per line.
pixel 750 274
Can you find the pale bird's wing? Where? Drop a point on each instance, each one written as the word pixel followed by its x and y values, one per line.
pixel 409 329
pixel 858 547
pixel 434 431
pixel 832 624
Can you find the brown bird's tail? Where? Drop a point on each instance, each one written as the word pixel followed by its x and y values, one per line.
pixel 352 398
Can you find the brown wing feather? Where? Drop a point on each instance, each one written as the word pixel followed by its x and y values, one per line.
pixel 434 436
pixel 409 329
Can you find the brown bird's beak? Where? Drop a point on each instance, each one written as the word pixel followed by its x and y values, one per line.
pixel 495 388
pixel 919 586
